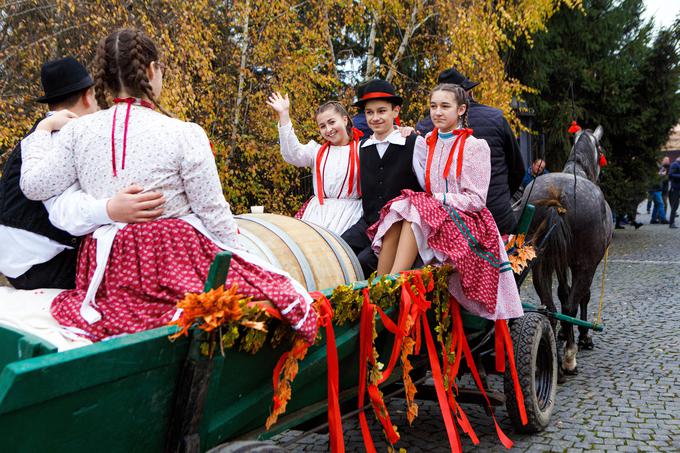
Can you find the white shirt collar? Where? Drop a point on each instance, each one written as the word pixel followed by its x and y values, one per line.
pixel 394 138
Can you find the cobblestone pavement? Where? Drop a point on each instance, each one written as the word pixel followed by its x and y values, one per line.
pixel 626 396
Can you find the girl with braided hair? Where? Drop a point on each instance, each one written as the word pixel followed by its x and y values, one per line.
pixel 449 222
pixel 130 276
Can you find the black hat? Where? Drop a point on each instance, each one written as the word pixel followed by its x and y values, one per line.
pixel 455 77
pixel 63 77
pixel 377 89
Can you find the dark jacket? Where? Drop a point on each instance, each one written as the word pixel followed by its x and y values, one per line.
pixel 359 121
pixel 507 165
pixel 19 212
pixel 383 179
pixel 674 175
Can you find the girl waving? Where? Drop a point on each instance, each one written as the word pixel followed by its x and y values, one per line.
pixel 336 204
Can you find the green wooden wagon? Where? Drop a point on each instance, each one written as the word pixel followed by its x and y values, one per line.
pixel 122 394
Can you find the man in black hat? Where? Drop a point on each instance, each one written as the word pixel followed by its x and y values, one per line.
pixel 36 253
pixel 387 164
pixel 507 165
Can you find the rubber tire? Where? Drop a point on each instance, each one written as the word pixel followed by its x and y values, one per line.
pixel 248 446
pixel 532 337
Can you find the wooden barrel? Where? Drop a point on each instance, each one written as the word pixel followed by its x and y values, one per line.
pixel 316 257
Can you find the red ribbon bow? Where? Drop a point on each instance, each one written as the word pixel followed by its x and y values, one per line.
pixel 129 102
pixel 461 137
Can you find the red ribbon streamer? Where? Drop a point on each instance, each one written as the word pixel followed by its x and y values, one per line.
pixel 337 443
pixel 503 332
pixel 365 342
pixel 129 102
pixel 461 137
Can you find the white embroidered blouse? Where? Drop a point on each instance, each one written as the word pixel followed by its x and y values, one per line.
pixel 341 209
pixel 160 153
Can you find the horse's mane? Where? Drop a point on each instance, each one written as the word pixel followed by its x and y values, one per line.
pixel 581 159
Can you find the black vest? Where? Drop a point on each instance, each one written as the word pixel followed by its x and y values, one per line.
pixel 17 211
pixel 384 179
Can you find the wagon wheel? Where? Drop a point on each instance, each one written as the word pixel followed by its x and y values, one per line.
pixel 536 359
pixel 248 446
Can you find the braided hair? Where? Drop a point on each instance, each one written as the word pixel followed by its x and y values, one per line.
pixel 459 94
pixel 121 63
pixel 337 108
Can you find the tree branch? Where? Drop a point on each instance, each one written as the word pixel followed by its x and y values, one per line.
pixel 410 29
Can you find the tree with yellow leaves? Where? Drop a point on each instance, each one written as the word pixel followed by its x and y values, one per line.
pixel 225 57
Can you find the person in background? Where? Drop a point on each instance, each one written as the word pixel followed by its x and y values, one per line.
pixel 536 169
pixel 674 193
pixel 507 165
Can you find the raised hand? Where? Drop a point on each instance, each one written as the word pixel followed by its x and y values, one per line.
pixel 133 205
pixel 281 105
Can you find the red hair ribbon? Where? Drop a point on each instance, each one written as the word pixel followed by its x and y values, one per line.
pixel 461 137
pixel 129 102
pixel 574 128
pixel 353 166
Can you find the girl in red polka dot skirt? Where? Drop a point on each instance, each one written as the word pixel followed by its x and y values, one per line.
pixel 130 277
pixel 449 222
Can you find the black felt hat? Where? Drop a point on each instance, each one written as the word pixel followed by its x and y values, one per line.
pixel 377 89
pixel 455 77
pixel 63 77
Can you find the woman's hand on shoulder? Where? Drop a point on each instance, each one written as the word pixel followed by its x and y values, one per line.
pixel 133 205
pixel 56 121
pixel 405 131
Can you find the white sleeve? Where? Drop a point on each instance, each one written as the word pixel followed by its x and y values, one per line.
pixel 203 187
pixel 76 212
pixel 294 152
pixel 420 160
pixel 48 167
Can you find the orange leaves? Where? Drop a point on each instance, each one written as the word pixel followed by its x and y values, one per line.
pixel 409 387
pixel 284 374
pixel 519 253
pixel 214 309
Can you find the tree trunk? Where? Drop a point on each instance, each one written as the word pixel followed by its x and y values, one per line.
pixel 327 23
pixel 370 59
pixel 245 44
pixel 410 29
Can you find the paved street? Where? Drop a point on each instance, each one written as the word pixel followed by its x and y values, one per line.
pixel 626 396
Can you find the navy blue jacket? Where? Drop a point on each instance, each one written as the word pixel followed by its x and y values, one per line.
pixel 507 165
pixel 674 175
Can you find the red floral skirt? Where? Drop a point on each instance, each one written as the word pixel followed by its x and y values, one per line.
pixel 467 240
pixel 151 267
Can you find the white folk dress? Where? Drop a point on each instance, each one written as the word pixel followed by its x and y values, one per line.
pixel 340 209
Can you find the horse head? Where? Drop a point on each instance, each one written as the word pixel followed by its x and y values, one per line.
pixel 584 158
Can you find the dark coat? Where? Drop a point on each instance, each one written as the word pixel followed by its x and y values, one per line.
pixel 507 165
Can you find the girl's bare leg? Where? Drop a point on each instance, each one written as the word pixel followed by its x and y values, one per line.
pixel 407 249
pixel 389 248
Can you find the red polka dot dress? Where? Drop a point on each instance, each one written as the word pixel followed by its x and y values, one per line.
pixel 452 224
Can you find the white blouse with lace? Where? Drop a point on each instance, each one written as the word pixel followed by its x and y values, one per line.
pixel 340 209
pixel 160 153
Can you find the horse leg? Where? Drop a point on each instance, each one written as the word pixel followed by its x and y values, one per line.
pixel 585 342
pixel 563 290
pixel 580 285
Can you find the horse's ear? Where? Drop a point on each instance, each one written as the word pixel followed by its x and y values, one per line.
pixel 598 133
